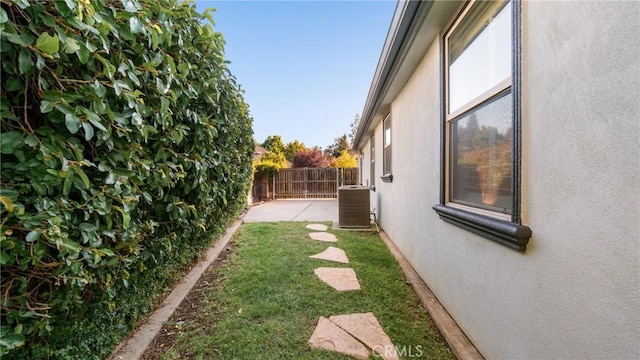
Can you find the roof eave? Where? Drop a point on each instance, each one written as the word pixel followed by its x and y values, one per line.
pixel 414 26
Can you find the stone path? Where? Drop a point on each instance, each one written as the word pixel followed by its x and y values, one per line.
pixel 323 236
pixel 317 227
pixel 356 335
pixel 366 329
pixel 330 336
pixel 332 254
pixel 341 279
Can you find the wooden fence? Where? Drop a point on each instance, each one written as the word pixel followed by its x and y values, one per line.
pixel 312 183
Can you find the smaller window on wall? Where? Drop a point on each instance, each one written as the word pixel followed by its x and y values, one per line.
pixel 372 166
pixel 386 150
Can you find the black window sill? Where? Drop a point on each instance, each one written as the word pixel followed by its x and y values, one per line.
pixel 513 235
pixel 387 178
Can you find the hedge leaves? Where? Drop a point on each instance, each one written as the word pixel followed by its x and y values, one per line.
pixel 126 146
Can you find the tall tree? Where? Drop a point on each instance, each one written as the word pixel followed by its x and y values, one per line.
pixel 354 128
pixel 274 144
pixel 292 148
pixel 339 144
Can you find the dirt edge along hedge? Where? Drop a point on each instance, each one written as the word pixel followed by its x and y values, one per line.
pixel 126 145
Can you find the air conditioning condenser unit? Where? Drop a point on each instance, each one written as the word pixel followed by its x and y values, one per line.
pixel 353 206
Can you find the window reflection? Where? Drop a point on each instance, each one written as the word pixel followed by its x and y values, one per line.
pixel 479 52
pixel 482 159
pixel 387 147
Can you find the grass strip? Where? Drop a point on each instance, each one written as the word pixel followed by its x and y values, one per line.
pixel 264 301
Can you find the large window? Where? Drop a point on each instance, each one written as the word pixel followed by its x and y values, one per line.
pixel 482 122
pixel 386 150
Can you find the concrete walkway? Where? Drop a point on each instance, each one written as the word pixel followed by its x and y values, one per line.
pixel 294 210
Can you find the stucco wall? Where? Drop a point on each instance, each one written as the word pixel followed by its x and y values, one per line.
pixel 366 170
pixel 575 293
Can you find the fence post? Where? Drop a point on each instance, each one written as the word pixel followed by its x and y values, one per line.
pixel 305 188
pixel 274 186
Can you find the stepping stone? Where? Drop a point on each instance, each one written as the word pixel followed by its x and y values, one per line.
pixel 329 336
pixel 332 254
pixel 366 328
pixel 317 227
pixel 341 279
pixel 355 335
pixel 323 236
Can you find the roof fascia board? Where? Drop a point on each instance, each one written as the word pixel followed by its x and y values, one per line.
pixel 414 27
pixel 398 30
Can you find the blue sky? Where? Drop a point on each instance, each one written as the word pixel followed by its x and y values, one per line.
pixel 305 66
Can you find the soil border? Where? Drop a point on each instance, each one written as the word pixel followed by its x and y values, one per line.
pixel 134 347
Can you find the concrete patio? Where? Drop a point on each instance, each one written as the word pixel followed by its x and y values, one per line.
pixel 294 210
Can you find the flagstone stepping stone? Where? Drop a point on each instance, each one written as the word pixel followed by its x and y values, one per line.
pixel 332 254
pixel 366 328
pixel 341 279
pixel 323 236
pixel 355 335
pixel 317 227
pixel 329 336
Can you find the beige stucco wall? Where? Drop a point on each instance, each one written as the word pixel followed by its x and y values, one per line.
pixel 575 293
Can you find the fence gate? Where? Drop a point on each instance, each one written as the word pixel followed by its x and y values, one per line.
pixel 312 183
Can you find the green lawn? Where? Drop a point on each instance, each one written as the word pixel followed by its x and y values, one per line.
pixel 265 300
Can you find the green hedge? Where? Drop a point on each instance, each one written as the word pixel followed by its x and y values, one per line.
pixel 126 148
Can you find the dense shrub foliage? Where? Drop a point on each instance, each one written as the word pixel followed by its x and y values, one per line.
pixel 126 145
pixel 345 160
pixel 310 158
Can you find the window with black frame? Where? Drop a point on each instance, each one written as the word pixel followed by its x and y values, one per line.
pixel 372 165
pixel 481 169
pixel 386 150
